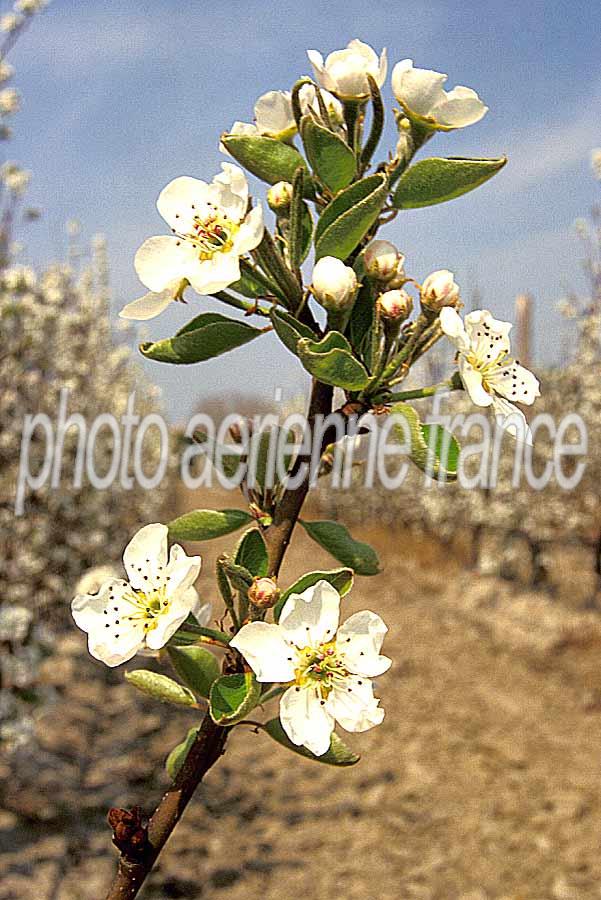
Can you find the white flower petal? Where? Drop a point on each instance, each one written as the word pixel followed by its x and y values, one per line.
pixel 145 556
pixel 181 571
pixel 273 113
pixel 472 382
pixel 419 90
pixel 229 191
pixel 202 612
pixel 512 420
pixel 208 276
pixel 264 648
pixel 483 330
pixel 351 702
pixel 316 60
pixel 148 306
pixel 112 637
pixel 452 326
pixel 250 233
pixel 461 107
pixel 162 260
pixel 167 623
pixel 177 201
pixel 515 383
pixel 359 641
pixel 305 719
pixel 310 618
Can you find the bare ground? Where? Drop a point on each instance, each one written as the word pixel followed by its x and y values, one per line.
pixel 483 782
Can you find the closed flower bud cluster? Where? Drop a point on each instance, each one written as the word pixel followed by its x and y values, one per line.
pixel 264 593
pixel 334 284
pixel 439 290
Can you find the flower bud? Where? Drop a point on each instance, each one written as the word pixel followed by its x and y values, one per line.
pixel 264 593
pixel 279 196
pixel 439 290
pixel 334 284
pixel 395 305
pixel 382 260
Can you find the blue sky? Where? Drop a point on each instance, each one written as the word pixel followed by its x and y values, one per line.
pixel 121 96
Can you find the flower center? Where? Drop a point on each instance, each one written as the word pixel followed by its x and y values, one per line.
pixel 319 665
pixel 210 231
pixel 147 607
pixel 487 367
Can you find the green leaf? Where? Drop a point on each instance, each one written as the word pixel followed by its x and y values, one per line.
pixel 289 330
pixel 361 322
pixel 433 449
pixel 437 180
pixel 196 666
pixel 329 156
pixel 341 579
pixel 233 697
pixel 348 218
pixel 251 553
pixel 248 286
pixel 205 337
pixel 265 456
pixel 267 158
pixel 160 687
pixel 338 754
pixel 331 360
pixel 337 540
pixel 206 524
pixel 177 757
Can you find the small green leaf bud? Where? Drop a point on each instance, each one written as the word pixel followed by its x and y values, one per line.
pixel 279 196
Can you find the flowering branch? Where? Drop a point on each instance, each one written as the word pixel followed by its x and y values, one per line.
pixel 288 643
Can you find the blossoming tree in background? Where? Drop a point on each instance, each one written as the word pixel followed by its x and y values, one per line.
pixel 52 323
pixel 340 299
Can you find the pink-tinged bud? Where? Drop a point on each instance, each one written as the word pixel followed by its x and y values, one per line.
pixel 334 284
pixel 264 593
pixel 382 260
pixel 395 305
pixel 279 196
pixel 439 290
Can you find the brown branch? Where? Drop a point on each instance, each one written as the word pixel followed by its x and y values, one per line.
pixel 136 860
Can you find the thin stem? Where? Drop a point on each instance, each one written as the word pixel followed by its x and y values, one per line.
pixel 419 393
pixel 135 866
pixel 237 303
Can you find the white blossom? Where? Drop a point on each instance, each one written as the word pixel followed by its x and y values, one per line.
pixel 30 7
pixel 143 613
pixel 14 177
pixel 273 115
pixel 333 283
pixel 10 101
pixel 345 72
pixel 596 163
pixel 329 668
pixel 10 22
pixel 422 96
pixel 489 375
pixel 395 304
pixel 382 260
pixel 6 70
pixel 211 230
pixel 439 289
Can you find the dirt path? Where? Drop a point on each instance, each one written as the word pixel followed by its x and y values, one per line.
pixel 483 781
